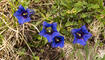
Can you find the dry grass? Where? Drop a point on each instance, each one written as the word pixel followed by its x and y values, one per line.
pixel 15 35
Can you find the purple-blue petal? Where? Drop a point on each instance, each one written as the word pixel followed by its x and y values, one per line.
pixel 75 30
pixel 81 42
pixel 87 36
pixel 17 14
pixel 48 37
pixel 21 8
pixel 61 45
pixel 45 24
pixel 55 34
pixel 42 33
pixel 27 19
pixel 30 11
pixel 75 40
pixel 19 11
pixel 54 26
pixel 22 20
pixel 84 29
pixel 54 45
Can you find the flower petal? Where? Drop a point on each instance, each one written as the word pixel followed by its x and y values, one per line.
pixel 87 36
pixel 84 29
pixel 22 20
pixel 48 37
pixel 54 26
pixel 74 31
pixel 81 41
pixel 74 41
pixel 27 19
pixel 29 11
pixel 55 34
pixel 61 44
pixel 42 33
pixel 53 44
pixel 17 14
pixel 21 8
pixel 19 11
pixel 45 24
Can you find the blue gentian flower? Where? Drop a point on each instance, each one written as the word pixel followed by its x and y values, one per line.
pixel 81 35
pixel 23 15
pixel 49 31
pixel 58 41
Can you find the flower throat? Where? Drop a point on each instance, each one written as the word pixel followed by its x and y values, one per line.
pixel 49 30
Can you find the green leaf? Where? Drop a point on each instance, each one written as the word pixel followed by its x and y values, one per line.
pixel 64 31
pixel 68 23
pixel 36 58
pixel 93 6
pixel 80 4
pixel 66 3
pixel 84 15
pixel 78 10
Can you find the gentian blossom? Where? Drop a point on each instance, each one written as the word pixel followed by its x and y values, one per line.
pixel 49 31
pixel 81 35
pixel 23 15
pixel 58 41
